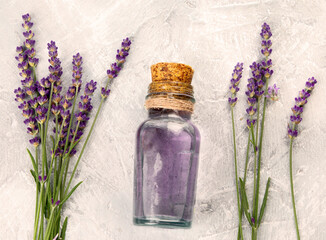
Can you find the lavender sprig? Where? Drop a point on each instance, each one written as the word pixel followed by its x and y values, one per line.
pixel 112 73
pixel 235 80
pixel 295 119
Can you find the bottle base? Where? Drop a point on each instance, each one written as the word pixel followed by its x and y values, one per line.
pixel 162 222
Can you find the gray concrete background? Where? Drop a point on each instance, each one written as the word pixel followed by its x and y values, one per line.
pixel 211 36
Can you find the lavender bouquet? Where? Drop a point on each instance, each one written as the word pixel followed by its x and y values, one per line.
pixel 41 101
pixel 258 93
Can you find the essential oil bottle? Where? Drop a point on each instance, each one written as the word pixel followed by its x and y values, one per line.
pixel 167 149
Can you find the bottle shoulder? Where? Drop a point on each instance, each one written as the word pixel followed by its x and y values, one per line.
pixel 173 124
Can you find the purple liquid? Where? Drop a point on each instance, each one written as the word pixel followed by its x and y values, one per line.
pixel 166 169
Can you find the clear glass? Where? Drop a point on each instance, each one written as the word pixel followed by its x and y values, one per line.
pixel 166 167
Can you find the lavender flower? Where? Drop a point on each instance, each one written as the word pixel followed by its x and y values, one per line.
pixel 26 64
pixel 235 80
pixel 273 93
pixel 297 110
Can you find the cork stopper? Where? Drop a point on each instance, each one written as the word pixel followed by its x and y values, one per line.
pixel 171 87
pixel 174 72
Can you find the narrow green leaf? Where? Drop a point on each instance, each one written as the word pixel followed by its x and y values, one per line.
pixel 33 160
pixel 263 205
pixel 63 229
pixel 53 145
pixel 69 194
pixel 244 202
pixel 34 175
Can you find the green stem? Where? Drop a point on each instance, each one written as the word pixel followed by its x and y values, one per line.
pixel 70 148
pixel 49 226
pixel 292 192
pixel 254 234
pixel 260 154
pixel 236 173
pixel 84 145
pixel 244 178
pixel 255 161
pixel 38 213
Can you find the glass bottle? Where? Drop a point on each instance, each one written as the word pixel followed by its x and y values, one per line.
pixel 167 151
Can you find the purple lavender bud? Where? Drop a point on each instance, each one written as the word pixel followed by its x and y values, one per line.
pixel 65 114
pixel 54 61
pixel 84 107
pixel 28 34
pixel 25 73
pixel 40 118
pixel 40 110
pixel 26 17
pixel 52 77
pixel 266 52
pixel 66 104
pixel 32 131
pixel 42 100
pixel 31 53
pixel 251 110
pixel 105 93
pixel 297 110
pixel 56 98
pixel 29 43
pixel 234 89
pixel 292 133
pixel 267 72
pixel 81 116
pixel 90 88
pixel 31 122
pixel 18 91
pixel 52 49
pixel 273 93
pixel 111 74
pixel 27 25
pixel 57 203
pixel 28 113
pixel 20 97
pixel 115 67
pixel 259 93
pixel 85 99
pixel 233 101
pixel 45 83
pixel 21 57
pixel 30 90
pixel 23 65
pixel 250 123
pixel 252 101
pixel 40 178
pixel 300 101
pixel 253 220
pixel 19 49
pixel 82 125
pixel 296 119
pixel 23 106
pixel 266 31
pixel 76 82
pixel 55 109
pixel 57 89
pixel 304 94
pixel 266 44
pixel 267 64
pixel 42 91
pixel 27 82
pixel 126 44
pixel 69 95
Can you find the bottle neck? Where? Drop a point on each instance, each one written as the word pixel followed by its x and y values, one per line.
pixel 163 112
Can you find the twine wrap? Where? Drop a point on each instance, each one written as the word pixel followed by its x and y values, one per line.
pixel 171 87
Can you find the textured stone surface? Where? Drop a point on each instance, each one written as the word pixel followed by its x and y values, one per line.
pixel 211 36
